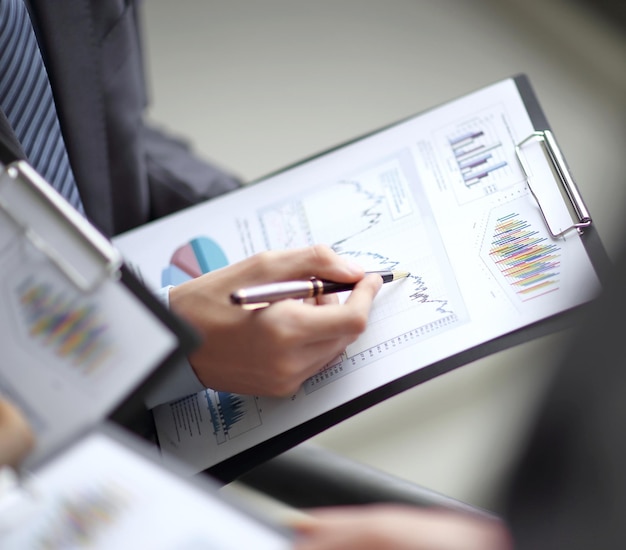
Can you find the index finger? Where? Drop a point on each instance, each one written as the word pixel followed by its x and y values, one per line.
pixel 349 318
pixel 313 261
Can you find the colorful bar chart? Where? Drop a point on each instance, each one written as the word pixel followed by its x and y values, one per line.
pixel 527 259
pixel 73 329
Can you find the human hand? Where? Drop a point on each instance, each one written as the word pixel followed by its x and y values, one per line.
pixel 16 436
pixel 271 351
pixel 398 527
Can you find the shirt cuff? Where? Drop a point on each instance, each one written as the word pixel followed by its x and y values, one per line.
pixel 163 294
pixel 181 381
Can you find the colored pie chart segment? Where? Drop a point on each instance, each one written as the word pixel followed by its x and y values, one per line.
pixel 198 256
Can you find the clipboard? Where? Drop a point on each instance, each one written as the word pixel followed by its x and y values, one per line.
pixel 494 147
pixel 65 289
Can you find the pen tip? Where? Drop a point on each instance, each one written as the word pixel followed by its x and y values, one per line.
pixel 400 274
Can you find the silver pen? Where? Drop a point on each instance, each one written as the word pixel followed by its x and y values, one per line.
pixel 263 295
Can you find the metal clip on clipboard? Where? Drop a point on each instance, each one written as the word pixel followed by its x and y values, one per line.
pixel 579 209
pixel 50 223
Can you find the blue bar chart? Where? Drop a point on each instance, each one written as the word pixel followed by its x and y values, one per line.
pixel 478 155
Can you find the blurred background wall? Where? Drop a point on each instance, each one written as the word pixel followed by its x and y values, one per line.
pixel 257 85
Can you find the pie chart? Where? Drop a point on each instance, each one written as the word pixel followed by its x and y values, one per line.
pixel 198 256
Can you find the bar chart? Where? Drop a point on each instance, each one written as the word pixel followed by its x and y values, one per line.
pixel 476 155
pixel 72 329
pixel 526 259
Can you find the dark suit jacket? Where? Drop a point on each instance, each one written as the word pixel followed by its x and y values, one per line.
pixel 127 173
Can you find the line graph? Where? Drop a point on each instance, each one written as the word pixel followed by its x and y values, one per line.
pixel 416 287
pixel 293 223
pixel 359 216
pixel 370 213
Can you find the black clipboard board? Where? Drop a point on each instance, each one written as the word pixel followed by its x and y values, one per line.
pixel 231 468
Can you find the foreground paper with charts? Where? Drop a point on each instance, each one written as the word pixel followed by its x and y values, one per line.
pixel 105 492
pixel 441 195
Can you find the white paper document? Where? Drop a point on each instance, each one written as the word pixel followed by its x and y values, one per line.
pixel 101 494
pixel 440 195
